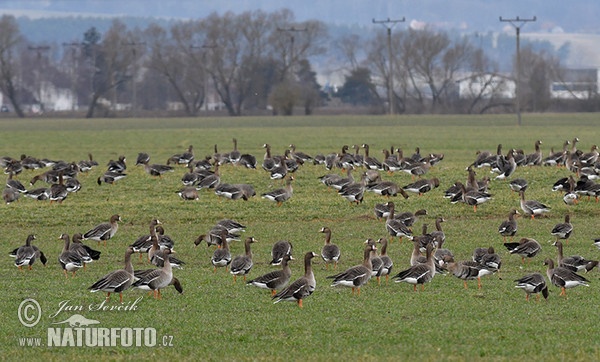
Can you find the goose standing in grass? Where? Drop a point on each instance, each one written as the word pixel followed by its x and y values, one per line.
pixel 280 195
pixel 409 218
pixel 387 188
pixel 86 253
pixel 358 275
pixel 563 277
pixel 27 254
pixel 275 279
pixel 144 242
pixel 110 177
pixel 235 154
pixel 532 208
pixel 526 248
pixel 156 169
pixel 576 263
pixel 464 270
pixel 69 260
pixel 302 287
pixel 9 195
pixel 268 161
pixel 535 158
pixel 330 252
pixel 422 186
pixel 298 155
pixel 58 191
pixel 473 197
pixel 14 184
pixel 120 165
pixel 395 227
pixel 157 279
pixel 103 231
pixel 387 263
pixel 370 162
pixel 222 256
pixel 506 166
pixel 508 228
pixel 533 284
pixel 116 281
pixel 419 273
pixel 376 262
pixel 557 158
pixel 189 193
pixel 563 230
pixel 570 197
pixel 354 192
pixel 518 184
pixel 279 250
pixel 242 264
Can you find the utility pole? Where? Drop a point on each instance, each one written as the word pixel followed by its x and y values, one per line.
pixel 204 48
pixel 292 31
pixel 518 23
pixel 390 24
pixel 39 49
pixel 74 46
pixel 134 46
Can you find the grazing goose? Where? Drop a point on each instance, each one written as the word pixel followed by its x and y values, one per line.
pixel 408 218
pixel 230 192
pixel 576 263
pixel 473 197
pixel 16 185
pixel 221 257
pixel 247 190
pixel 532 207
pixel 188 193
pixel 156 169
pixel 481 159
pixel 110 177
pixel 354 192
pixel 387 188
pixel 158 278
pixel 370 162
pixel 506 166
pixel 27 254
pixel 556 158
pixel 298 155
pixel 87 165
pixel 40 193
pixel 120 165
pixel 58 192
pixel 329 179
pixel 144 243
pixel 563 230
pixel 590 158
pixel 533 284
pixel 341 182
pixel 280 195
pixel 563 277
pixel 69 260
pixel 232 226
pixel 276 279
pixel 422 186
pixel 302 287
pixel 518 184
pixel 279 250
pixel 242 264
pixel 387 263
pixel 508 228
pixel 9 195
pixel 526 248
pixel 395 227
pixel 356 276
pixel 116 281
pixel 103 231
pixel 464 270
pixel 419 273
pixel 84 252
pixel 184 158
pixel 330 252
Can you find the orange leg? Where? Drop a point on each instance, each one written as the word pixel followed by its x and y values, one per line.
pixel 300 303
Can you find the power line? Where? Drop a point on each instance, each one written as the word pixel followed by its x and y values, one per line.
pixel 390 24
pixel 292 30
pixel 518 23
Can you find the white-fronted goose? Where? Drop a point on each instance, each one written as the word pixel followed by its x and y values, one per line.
pixel 279 250
pixel 27 254
pixel 298 155
pixel 563 277
pixel 508 228
pixel 280 195
pixel 518 184
pixel 473 197
pixel 576 263
pixel 40 193
pixel 276 279
pixel 188 193
pixel 87 165
pixel 110 177
pixel 156 169
pixel 395 227
pixel 563 230
pixel 9 195
pixel 58 192
pixel 301 287
pixel 556 158
pixel 184 158
pixel 268 162
pixel 144 242
pixel 535 158
pixel 387 263
pixel 69 260
pixel 376 262
pixel 242 264
pixel 533 284
pixel 419 273
pixel 422 186
pixel 86 253
pixel 139 274
pixel 506 166
pixel 233 227
pixel 247 190
pixel 532 207
pixel 464 270
pixel 354 192
pixel 408 218
pixel 222 256
pixel 438 235
pixel 387 188
pixel 370 162
pixel 158 278
pixel 120 165
pixel 342 181
pixel 590 158
pixel 330 252
pixel 116 281
pixel 103 231
pixel 235 154
pixel 248 161
pixel 230 191
pixel 356 276
pixel 15 184
pixel 160 244
pixel 526 248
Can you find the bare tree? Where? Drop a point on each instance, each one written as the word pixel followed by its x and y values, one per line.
pixel 10 38
pixel 538 69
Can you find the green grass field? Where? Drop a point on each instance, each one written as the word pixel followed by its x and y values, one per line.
pixel 215 319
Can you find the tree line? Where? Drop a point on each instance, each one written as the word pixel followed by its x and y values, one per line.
pixel 258 60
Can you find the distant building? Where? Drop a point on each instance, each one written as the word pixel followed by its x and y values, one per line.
pixel 576 84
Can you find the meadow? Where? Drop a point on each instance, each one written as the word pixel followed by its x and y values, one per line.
pixel 216 319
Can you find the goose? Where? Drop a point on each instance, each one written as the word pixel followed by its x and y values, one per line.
pixel 120 165
pixel 533 284
pixel 268 162
pixel 242 264
pixel 27 254
pixel 381 211
pixel 279 250
pixel 275 279
pixel 110 177
pixel 438 235
pixel 575 263
pixel 40 193
pixel 233 227
pixel 508 228
pixel 16 185
pixel 563 277
pixel 248 161
pixel 408 218
pixel 563 230
pixel 526 248
pixel 488 263
pixel 235 155
pixel 210 180
pixel 157 279
pixel 422 186
pixel 103 231
pixel 230 192
pixel 506 166
pixel 344 159
pixel 387 263
pixel 156 169
pixel 58 192
pixel 301 287
pixel 330 252
pixel 342 182
pixel 221 257
pixel 473 197
pixel 590 158
pixel 183 159
pixel 387 188
pixel 356 276
pixel 532 207
pixel 419 169
pixel 157 253
pixel 139 274
pixel 298 155
pixel 280 195
pixel 329 179
pixel 392 163
pixel 9 195
pixel 87 165
pixel 144 242
pixel 215 236
pixel 570 197
pixel 556 158
pixel 419 273
pixel 69 260
pixel 518 184
pixel 354 192
pixel 370 162
pixel 376 262
pixel 481 159
pixel 247 190
pixel 189 193
pixel 84 252
pixel 72 185
pixel 395 227
pixel 279 170
pixel 535 158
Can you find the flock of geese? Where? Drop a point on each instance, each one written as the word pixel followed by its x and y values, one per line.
pixel 428 258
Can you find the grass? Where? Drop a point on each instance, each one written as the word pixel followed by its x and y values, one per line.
pixel 216 319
